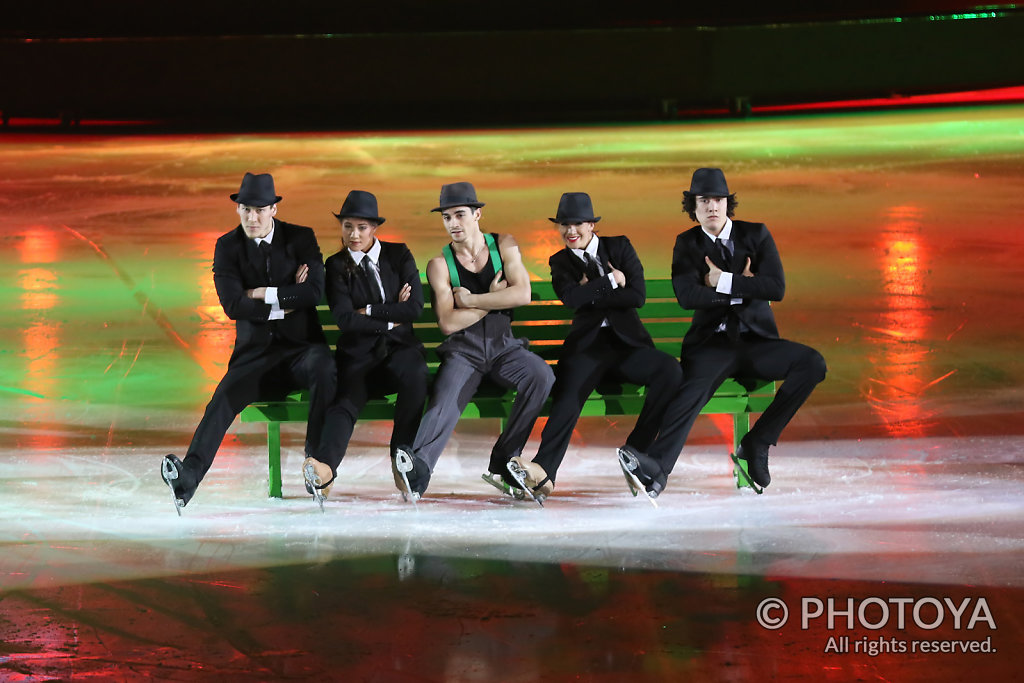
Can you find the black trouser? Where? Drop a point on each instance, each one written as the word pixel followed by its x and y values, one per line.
pixel 281 368
pixel 609 358
pixel 403 370
pixel 706 366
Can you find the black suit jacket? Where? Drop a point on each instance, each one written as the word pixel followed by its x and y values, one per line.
pixel 238 265
pixel 596 300
pixel 348 290
pixel 710 308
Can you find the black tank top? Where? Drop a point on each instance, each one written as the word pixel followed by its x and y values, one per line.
pixel 480 283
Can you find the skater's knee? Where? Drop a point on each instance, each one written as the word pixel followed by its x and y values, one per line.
pixel 418 375
pixel 318 360
pixel 816 367
pixel 669 371
pixel 546 377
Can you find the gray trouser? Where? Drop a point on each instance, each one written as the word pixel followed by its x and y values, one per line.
pixel 484 349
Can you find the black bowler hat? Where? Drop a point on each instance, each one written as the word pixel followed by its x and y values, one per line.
pixel 256 190
pixel 575 207
pixel 708 182
pixel 360 204
pixel 458 194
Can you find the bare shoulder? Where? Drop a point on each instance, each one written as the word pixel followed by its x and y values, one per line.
pixel 437 270
pixel 508 247
pixel 507 241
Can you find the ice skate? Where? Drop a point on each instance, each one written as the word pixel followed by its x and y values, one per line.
pixel 180 480
pixel 319 479
pixel 751 466
pixel 532 478
pixel 629 461
pixel 414 473
pixel 498 482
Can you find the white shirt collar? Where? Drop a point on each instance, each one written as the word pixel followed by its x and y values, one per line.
pixel 374 254
pixel 724 234
pixel 590 249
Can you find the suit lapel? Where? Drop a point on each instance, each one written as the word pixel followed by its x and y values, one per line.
pixel 573 264
pixel 388 274
pixel 278 249
pixel 603 255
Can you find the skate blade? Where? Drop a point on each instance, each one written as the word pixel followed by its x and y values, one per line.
pixel 169 473
pixel 739 470
pixel 497 482
pixel 519 474
pixel 403 463
pixel 628 463
pixel 312 482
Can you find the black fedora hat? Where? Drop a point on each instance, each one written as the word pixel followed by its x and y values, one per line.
pixel 256 190
pixel 360 204
pixel 708 182
pixel 575 207
pixel 458 194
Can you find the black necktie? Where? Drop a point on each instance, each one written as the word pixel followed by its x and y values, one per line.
pixel 592 270
pixel 725 252
pixel 265 250
pixel 371 280
pixel 732 321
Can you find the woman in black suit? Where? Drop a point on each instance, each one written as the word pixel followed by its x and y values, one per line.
pixel 603 280
pixel 374 292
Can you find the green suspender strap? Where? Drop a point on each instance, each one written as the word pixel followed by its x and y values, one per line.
pixel 492 244
pixel 453 272
pixel 449 257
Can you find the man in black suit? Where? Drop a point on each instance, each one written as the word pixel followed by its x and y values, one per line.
pixel 728 272
pixel 269 277
pixel 602 279
pixel 375 295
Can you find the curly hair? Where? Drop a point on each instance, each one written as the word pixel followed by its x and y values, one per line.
pixel 690 205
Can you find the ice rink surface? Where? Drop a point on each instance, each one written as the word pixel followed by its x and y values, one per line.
pixel 895 502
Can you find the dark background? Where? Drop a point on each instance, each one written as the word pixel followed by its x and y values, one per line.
pixel 411 63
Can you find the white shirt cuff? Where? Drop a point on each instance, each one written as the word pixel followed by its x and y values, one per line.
pixel 724 284
pixel 611 279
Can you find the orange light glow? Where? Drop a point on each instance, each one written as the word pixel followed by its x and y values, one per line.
pixel 216 335
pixel 538 247
pixel 901 362
pixel 40 245
pixel 38 289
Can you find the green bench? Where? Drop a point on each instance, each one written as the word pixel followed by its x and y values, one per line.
pixel 545 322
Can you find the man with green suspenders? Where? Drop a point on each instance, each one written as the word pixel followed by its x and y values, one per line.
pixel 477 281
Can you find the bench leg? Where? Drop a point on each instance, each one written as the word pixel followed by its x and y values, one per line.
pixel 274 456
pixel 740 427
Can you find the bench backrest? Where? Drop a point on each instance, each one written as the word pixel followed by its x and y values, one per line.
pixel 545 321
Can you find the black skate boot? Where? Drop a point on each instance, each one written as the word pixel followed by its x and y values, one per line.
pixel 751 464
pixel 180 479
pixel 642 473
